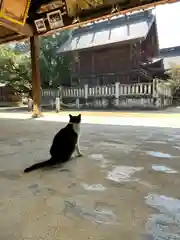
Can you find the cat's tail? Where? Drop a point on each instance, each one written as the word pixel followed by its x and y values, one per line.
pixel 39 165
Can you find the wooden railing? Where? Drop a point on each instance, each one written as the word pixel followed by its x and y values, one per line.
pixel 153 90
pixel 73 92
pixel 101 91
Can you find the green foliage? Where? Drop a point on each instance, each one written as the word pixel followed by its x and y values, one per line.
pixel 15 63
pixel 15 69
pixel 174 78
pixel 20 47
pixel 54 67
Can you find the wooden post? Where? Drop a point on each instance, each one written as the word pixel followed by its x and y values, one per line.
pixel 117 93
pixel 36 81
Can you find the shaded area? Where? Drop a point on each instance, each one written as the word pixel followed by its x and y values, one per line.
pixel 115 190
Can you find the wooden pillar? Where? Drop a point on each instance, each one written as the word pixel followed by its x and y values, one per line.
pixel 36 81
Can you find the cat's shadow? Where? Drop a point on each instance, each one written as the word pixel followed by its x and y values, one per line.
pixel 59 166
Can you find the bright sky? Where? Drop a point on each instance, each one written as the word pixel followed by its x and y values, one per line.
pixel 168 22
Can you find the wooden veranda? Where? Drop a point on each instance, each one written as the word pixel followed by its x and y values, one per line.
pixel 21 19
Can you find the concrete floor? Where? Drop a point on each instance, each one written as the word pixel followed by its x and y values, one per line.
pixel 125 187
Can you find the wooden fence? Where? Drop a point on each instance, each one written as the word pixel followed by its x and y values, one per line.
pixel 153 94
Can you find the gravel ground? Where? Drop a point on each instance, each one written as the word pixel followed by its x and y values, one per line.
pixel 125 187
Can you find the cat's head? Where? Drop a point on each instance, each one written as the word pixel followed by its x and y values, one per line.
pixel 75 119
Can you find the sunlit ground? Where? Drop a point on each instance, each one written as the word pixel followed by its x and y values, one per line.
pixel 125 187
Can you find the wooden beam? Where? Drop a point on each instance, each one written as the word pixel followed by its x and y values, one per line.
pixel 36 81
pixel 109 16
pixel 25 30
pixel 12 38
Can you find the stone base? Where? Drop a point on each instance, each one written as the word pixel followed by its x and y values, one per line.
pixel 35 115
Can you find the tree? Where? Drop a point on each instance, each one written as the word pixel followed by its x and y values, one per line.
pixel 21 47
pixel 174 77
pixel 55 68
pixel 173 81
pixel 15 69
pixel 15 63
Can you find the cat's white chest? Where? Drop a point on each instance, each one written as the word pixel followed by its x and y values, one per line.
pixel 76 128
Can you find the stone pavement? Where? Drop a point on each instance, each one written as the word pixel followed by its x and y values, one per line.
pixel 169 112
pixel 113 118
pixel 125 187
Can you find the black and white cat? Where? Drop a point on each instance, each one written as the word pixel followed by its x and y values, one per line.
pixel 64 144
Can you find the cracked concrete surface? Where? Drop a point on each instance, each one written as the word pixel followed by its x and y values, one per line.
pixel 82 201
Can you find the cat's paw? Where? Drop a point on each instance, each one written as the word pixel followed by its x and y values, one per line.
pixel 80 154
pixel 72 157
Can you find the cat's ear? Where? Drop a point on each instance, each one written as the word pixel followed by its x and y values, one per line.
pixel 79 115
pixel 70 115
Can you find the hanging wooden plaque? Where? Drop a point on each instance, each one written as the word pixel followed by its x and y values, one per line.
pixel 15 10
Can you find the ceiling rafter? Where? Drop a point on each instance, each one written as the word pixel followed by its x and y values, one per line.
pixel 109 16
pixel 25 29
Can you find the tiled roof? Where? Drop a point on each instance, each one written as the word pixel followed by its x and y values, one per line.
pixel 120 29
